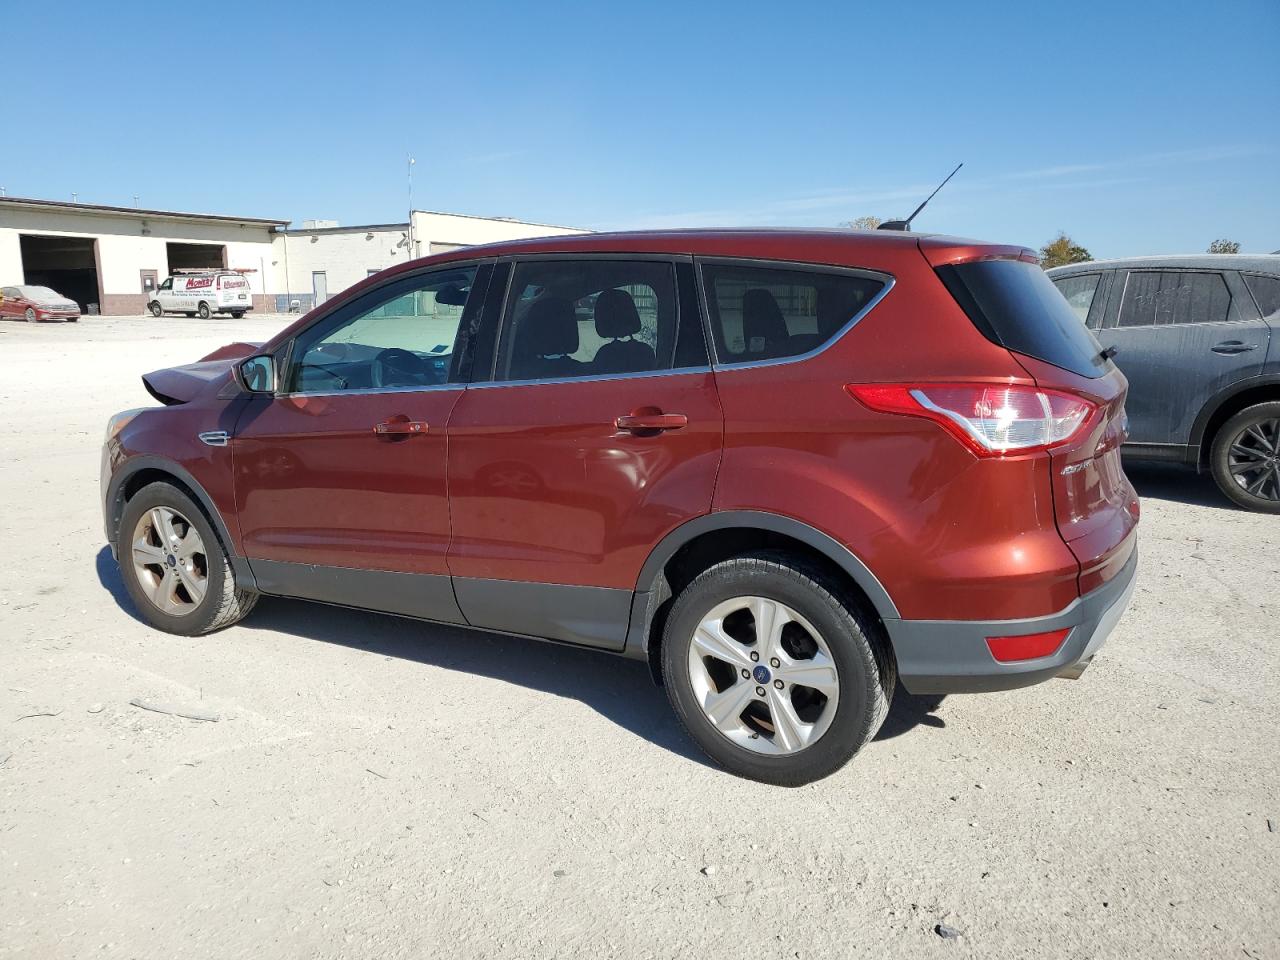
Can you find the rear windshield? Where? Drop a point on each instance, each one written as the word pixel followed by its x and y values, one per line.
pixel 1015 305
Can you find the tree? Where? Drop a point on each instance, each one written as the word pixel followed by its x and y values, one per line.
pixel 1224 246
pixel 1062 250
pixel 864 223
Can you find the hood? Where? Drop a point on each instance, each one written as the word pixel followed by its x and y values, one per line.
pixel 234 351
pixel 182 384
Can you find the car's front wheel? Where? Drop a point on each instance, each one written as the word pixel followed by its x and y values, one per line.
pixel 30 315
pixel 175 567
pixel 774 669
pixel 204 311
pixel 1246 458
pixel 156 309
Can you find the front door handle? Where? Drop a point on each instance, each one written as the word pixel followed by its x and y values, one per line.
pixel 1228 347
pixel 400 426
pixel 645 422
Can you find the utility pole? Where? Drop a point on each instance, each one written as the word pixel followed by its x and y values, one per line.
pixel 410 168
pixel 135 201
pixel 74 196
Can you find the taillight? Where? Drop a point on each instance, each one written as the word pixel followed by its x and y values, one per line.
pixel 992 420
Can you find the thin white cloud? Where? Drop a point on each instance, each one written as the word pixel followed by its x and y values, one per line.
pixel 1196 155
pixel 833 206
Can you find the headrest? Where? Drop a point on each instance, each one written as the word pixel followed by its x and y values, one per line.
pixel 550 328
pixel 616 314
pixel 762 322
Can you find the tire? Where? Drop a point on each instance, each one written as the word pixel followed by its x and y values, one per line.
pixel 30 315
pixel 237 314
pixel 220 604
pixel 156 309
pixel 204 311
pixel 1245 458
pixel 188 315
pixel 855 650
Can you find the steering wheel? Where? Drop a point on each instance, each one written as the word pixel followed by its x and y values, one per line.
pixel 395 367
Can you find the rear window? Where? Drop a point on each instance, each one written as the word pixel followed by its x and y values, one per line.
pixel 1015 305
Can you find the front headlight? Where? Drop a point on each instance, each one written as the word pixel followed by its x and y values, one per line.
pixel 119 421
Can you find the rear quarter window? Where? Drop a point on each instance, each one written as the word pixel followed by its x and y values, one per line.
pixel 771 313
pixel 1266 292
pixel 1014 304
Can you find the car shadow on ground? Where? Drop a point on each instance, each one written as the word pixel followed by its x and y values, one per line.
pixel 1178 484
pixel 620 690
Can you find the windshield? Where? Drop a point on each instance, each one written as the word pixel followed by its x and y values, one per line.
pixel 40 294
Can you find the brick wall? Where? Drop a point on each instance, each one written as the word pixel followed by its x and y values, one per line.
pixel 124 304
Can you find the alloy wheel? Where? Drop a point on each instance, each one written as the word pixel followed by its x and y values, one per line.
pixel 1254 460
pixel 763 675
pixel 170 562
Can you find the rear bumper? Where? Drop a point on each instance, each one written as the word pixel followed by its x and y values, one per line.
pixel 951 656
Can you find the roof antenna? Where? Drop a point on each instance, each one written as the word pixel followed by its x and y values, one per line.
pixel 906 224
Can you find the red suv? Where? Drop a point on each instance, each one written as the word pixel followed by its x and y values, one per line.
pixel 786 468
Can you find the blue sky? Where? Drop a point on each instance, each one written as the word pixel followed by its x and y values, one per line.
pixel 1137 128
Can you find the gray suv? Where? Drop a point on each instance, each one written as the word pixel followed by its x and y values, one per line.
pixel 1199 339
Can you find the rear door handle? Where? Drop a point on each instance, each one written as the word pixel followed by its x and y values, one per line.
pixel 652 421
pixel 1228 347
pixel 400 427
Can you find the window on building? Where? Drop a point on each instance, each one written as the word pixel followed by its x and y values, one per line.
pixel 767 313
pixel 1159 297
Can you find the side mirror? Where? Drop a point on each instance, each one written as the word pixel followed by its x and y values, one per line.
pixel 257 374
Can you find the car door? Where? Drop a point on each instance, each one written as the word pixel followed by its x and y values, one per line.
pixel 340 478
pixel 594 430
pixel 10 309
pixel 1180 336
pixel 164 295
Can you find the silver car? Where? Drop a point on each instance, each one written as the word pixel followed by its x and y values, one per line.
pixel 1197 336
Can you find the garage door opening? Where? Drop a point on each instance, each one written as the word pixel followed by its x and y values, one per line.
pixel 196 256
pixel 66 264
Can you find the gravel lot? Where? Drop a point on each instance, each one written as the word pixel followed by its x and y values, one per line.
pixel 382 788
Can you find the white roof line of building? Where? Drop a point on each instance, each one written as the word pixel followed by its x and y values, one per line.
pixel 527 223
pixel 135 211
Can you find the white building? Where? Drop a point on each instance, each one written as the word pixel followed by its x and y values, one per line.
pixel 322 258
pixel 108 258
pixel 112 257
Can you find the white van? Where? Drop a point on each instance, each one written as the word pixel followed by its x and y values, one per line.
pixel 204 293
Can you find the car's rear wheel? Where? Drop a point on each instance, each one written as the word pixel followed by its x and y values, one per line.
pixel 1246 458
pixel 174 566
pixel 204 311
pixel 156 309
pixel 30 315
pixel 188 315
pixel 774 669
pixel 237 314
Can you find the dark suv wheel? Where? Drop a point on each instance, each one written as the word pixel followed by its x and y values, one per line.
pixel 1246 458
pixel 772 669
pixel 175 567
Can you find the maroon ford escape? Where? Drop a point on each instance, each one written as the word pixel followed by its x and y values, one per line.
pixel 788 469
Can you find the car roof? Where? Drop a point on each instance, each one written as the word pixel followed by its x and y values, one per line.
pixel 1249 263
pixel 724 241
